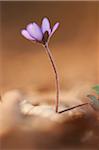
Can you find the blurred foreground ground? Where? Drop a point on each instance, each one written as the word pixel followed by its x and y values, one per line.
pixel 79 130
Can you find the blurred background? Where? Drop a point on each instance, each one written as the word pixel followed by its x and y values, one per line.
pixel 74 45
pixel 24 65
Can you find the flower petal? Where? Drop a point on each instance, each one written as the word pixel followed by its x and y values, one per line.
pixel 54 28
pixel 35 31
pixel 27 35
pixel 45 26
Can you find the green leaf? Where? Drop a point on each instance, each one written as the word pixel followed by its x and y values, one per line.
pixel 96 88
pixel 94 102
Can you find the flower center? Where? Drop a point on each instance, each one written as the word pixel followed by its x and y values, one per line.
pixel 45 37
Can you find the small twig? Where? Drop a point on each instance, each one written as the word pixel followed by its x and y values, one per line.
pixel 72 107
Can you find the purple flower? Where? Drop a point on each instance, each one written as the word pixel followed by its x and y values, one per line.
pixel 39 34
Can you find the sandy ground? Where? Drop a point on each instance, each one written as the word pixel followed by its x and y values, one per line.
pixel 78 130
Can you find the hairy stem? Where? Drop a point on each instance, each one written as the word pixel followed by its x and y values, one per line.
pixel 56 75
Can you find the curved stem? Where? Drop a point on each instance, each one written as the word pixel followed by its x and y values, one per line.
pixel 56 74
